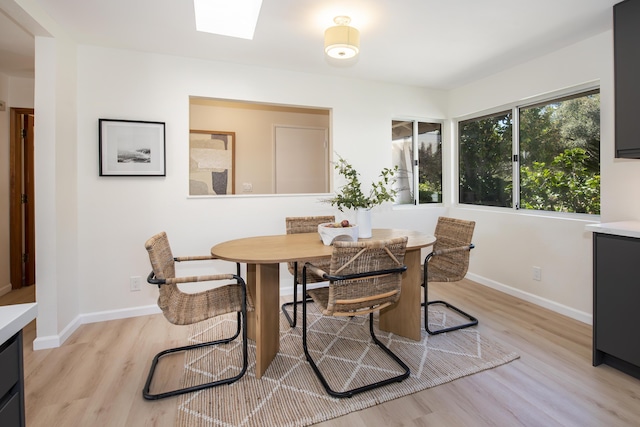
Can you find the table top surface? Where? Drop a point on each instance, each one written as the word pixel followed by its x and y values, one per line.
pixel 621 228
pixel 298 247
pixel 15 317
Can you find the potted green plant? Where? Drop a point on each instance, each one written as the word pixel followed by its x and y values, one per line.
pixel 351 196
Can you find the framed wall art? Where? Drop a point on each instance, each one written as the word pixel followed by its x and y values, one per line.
pixel 211 162
pixel 131 148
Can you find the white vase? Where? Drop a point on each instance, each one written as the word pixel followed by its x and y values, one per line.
pixel 363 220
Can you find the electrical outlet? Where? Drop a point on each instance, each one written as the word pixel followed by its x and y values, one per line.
pixel 134 283
pixel 537 273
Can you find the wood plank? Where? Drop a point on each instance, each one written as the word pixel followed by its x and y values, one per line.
pixel 552 384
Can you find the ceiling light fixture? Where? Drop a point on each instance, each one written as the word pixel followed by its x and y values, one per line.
pixel 237 18
pixel 341 41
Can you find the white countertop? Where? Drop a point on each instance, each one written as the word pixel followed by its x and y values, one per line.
pixel 622 228
pixel 15 317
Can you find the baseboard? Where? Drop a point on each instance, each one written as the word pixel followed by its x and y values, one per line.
pixel 5 289
pixel 103 316
pixel 580 316
pixel 53 341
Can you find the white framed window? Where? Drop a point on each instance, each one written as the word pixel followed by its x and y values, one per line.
pixel 540 156
pixel 417 151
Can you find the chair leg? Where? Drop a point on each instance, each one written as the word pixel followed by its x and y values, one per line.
pixel 242 325
pixel 293 320
pixel 426 303
pixel 350 393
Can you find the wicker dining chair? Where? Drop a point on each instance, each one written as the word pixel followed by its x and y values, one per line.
pixel 364 277
pixel 295 225
pixel 182 308
pixel 448 262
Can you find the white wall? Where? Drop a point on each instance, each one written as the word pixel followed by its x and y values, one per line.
pixel 57 284
pixel 510 243
pixel 117 214
pixel 91 229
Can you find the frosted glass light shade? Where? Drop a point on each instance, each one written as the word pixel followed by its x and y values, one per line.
pixel 341 41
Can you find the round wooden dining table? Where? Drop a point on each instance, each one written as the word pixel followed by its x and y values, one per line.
pixel 263 255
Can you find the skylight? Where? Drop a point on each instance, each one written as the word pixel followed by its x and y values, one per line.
pixel 233 18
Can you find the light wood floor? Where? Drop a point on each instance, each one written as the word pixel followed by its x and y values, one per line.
pixel 96 377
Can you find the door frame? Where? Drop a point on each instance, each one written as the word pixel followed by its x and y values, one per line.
pixel 21 224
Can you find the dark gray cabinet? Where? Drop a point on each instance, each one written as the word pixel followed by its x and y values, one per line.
pixel 626 24
pixel 11 382
pixel 616 295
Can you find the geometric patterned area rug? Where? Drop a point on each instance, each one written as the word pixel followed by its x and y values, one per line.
pixel 289 394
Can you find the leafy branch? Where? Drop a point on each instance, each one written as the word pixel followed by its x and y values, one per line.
pixel 351 196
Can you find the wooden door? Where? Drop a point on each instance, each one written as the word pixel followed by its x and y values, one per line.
pixel 22 193
pixel 301 159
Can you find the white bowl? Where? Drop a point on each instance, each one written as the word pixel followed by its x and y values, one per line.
pixel 330 234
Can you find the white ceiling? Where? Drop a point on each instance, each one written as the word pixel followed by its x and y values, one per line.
pixel 433 43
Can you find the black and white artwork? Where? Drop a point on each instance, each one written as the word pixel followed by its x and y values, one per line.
pixel 131 148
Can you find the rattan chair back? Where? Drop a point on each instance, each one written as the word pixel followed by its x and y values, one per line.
pixel 364 277
pixel 307 224
pixel 183 308
pixel 450 266
pixel 361 295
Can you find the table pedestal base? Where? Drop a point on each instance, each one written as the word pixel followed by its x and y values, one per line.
pixel 403 318
pixel 263 282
